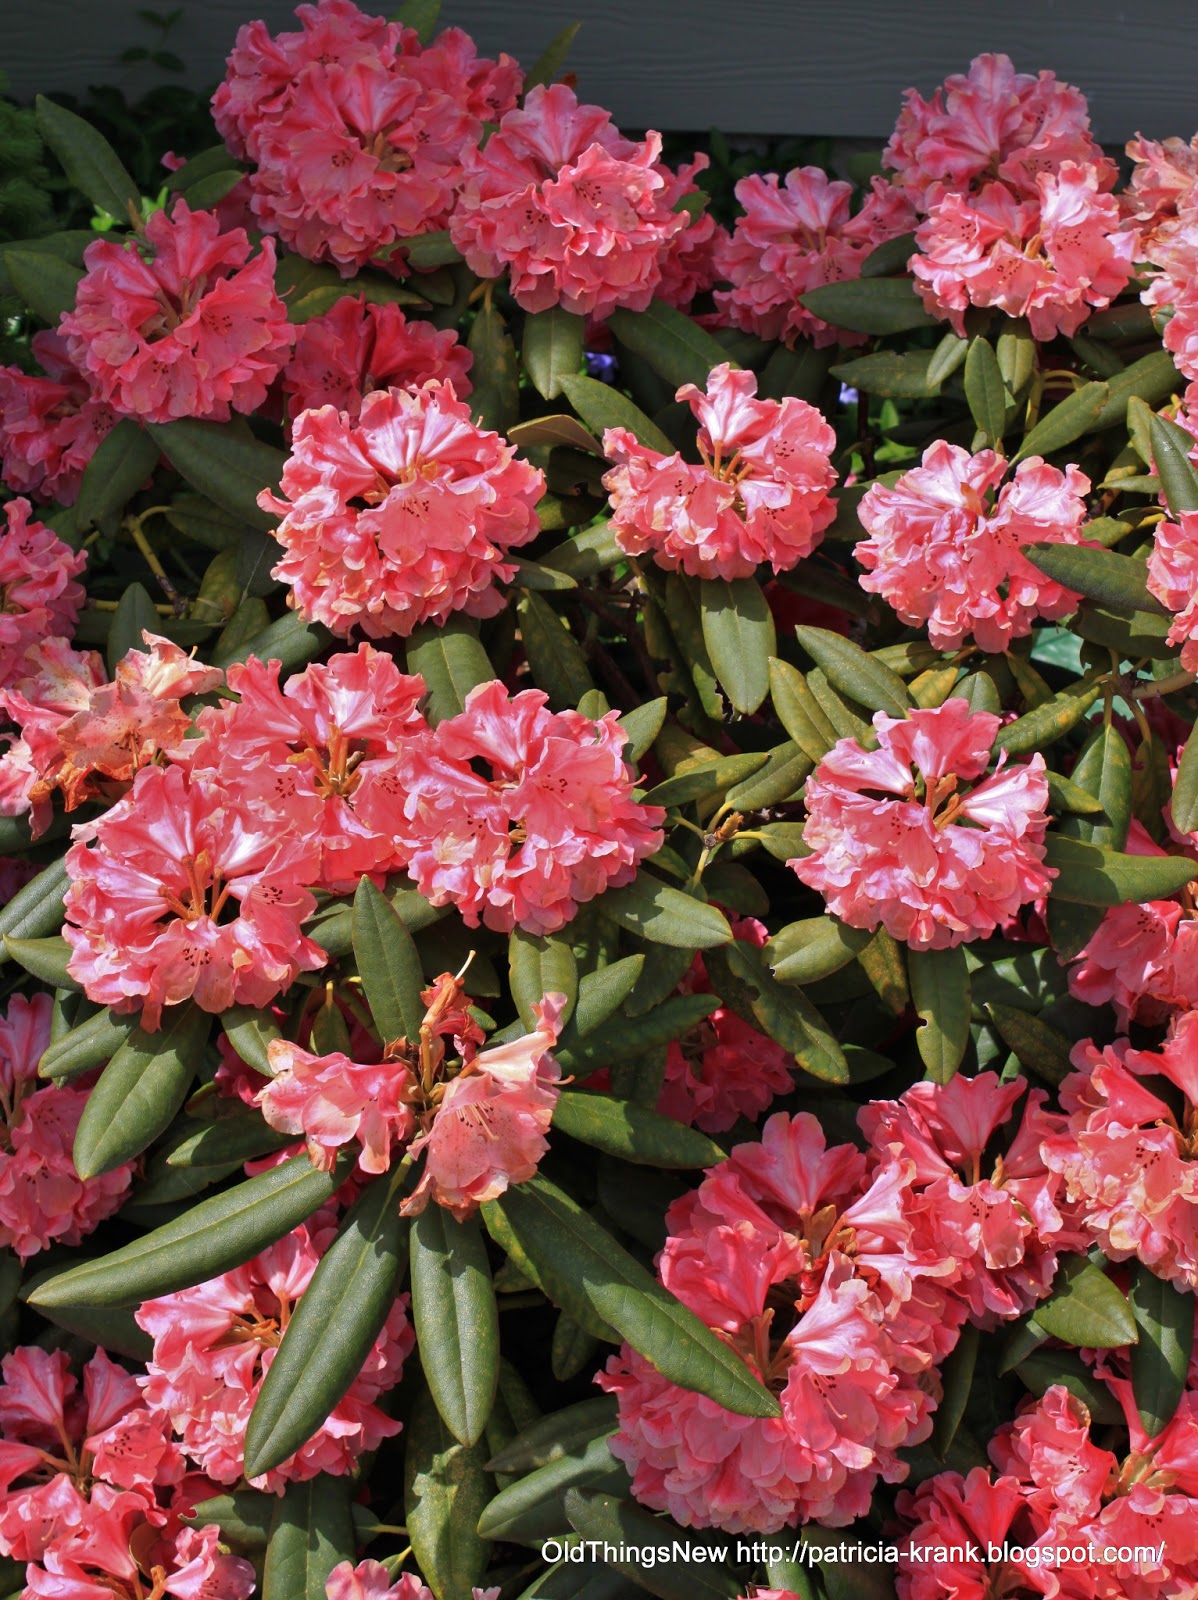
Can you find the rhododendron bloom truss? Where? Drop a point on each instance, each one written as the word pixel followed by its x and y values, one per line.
pixel 761 493
pixel 38 592
pixel 402 516
pixel 915 838
pixel 944 544
pixel 180 891
pixel 517 815
pixel 50 427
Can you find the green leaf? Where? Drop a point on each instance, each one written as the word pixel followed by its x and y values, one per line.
pixel 44 958
pixel 626 1527
pixel 219 1234
pixel 549 63
pixel 1171 446
pixel 446 1487
pixel 550 1438
pixel 43 282
pixel 451 661
pixel 1066 795
pixel 1151 379
pixel 552 348
pixel 333 1326
pixel 947 358
pixel 957 1379
pixel 1086 1310
pixel 1075 415
pixel 291 641
pixel 1016 352
pixel 1091 876
pixel 709 779
pixel 815 948
pixel 456 1319
pixel 1164 1315
pixel 635 1036
pixel 243 1517
pixel 783 1012
pixel 1102 575
pixel 738 630
pixel 674 345
pixel 88 160
pixel 890 374
pixel 632 1132
pixel 119 468
pixel 530 1510
pixel 583 1269
pixel 586 553
pixel 869 305
pixel 654 911
pixel 389 966
pixel 36 908
pixel 134 615
pixel 250 1032
pixel 543 580
pixel 985 392
pixel 421 15
pixel 600 995
pixel 311 1532
pixel 227 1143
pixel 1047 723
pixel 85 1047
pixel 781 778
pixel 799 711
pixel 940 990
pixel 495 397
pixel 860 676
pixel 1037 1045
pixel 541 966
pixel 231 467
pixel 555 657
pixel 140 1091
pixel 602 407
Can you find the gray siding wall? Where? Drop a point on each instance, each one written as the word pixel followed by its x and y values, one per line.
pixel 751 66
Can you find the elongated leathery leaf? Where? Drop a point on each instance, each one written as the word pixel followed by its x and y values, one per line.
pixel 456 1319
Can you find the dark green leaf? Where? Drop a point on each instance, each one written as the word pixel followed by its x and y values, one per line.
pixel 134 616
pixel 947 358
pixel 781 778
pixel 785 1014
pixel 707 780
pixel 243 1517
pixel 632 1132
pixel 890 374
pixel 601 993
pixel 1102 575
pixel 37 907
pixel 1044 1368
pixel 311 1532
pixel 140 1091
pixel 290 641
pixel 552 348
pixel 530 1510
pixel 451 661
pixel 555 657
pixel 1164 1315
pixel 799 711
pixel 985 392
pixel 119 468
pixel 584 1270
pixel 549 63
pixel 738 630
pixel 582 556
pixel 44 958
pixel 495 397
pixel 674 345
pixel 228 1143
pixel 230 467
pixel 1047 723
pixel 456 1319
pixel 804 952
pixel 860 676
pixel 88 160
pixel 957 1379
pixel 332 1329
pixel 624 1526
pixel 87 1046
pixel 869 305
pixel 1090 876
pixel 550 1438
pixel 654 911
pixel 1075 415
pixel 421 15
pixel 1184 805
pixel 1171 446
pixel 541 966
pixel 1086 1310
pixel 389 966
pixel 446 1487
pixel 940 990
pixel 1037 1045
pixel 44 283
pixel 602 407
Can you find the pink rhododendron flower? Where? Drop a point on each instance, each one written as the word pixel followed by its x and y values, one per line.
pixel 370 1580
pixel 38 592
pixel 1127 1156
pixel 43 1200
pixel 807 1269
pixel 1052 256
pixel 794 236
pixel 401 517
pixel 944 544
pixel 688 263
pixel 180 892
pixel 550 825
pixel 85 737
pixel 761 493
pixel 195 330
pixel 188 1564
pixel 991 122
pixel 488 1130
pixel 1164 178
pixel 1173 579
pixel 314 756
pixel 966 1517
pixel 214 1344
pixel 330 1100
pixel 897 841
pixel 357 347
pixel 1000 1220
pixel 49 426
pixel 578 215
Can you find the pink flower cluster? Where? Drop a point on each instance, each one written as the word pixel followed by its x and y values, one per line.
pixel 192 327
pixel 50 426
pixel 43 1200
pixel 370 1580
pixel 898 841
pixel 357 132
pixel 945 544
pixel 39 596
pixel 843 1281
pixel 761 493
pixel 1013 195
pixel 517 815
pixel 794 236
pixel 1073 1518
pixel 84 1477
pixel 579 216
pixel 1127 1154
pixel 213 1346
pixel 87 738
pixel 1173 579
pixel 401 515
pixel 356 348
